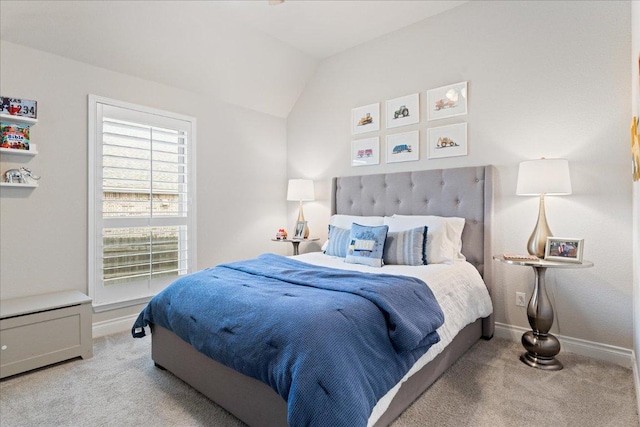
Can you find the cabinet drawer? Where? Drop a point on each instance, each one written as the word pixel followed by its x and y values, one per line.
pixel 34 340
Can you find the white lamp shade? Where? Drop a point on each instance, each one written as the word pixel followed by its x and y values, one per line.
pixel 300 190
pixel 543 176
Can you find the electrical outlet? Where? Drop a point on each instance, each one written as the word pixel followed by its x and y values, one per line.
pixel 521 299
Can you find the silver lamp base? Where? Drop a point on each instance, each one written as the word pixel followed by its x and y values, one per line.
pixel 538 240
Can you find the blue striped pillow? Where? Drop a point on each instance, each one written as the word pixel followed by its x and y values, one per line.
pixel 406 247
pixel 338 241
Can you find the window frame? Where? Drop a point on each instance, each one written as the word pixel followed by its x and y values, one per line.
pixel 141 292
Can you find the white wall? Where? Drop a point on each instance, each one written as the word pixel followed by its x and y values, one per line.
pixel 241 173
pixel 635 106
pixel 545 79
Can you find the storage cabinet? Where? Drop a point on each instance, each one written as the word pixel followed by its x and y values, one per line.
pixel 40 330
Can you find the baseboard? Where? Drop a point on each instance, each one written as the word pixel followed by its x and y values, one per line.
pixel 608 353
pixel 113 326
pixel 636 380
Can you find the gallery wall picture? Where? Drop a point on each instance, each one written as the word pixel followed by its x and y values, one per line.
pixel 403 147
pixel 447 141
pixel 365 152
pixel 365 119
pixel 403 111
pixel 447 101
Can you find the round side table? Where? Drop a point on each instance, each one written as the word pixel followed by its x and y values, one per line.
pixel 296 242
pixel 541 346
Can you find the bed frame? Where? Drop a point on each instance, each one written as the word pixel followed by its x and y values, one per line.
pixel 461 192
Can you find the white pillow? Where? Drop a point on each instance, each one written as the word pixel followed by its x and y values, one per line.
pixel 345 221
pixel 444 235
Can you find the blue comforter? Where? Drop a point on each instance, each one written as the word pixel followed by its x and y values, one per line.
pixel 330 342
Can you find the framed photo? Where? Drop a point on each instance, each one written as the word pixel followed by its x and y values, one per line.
pixel 299 231
pixel 447 101
pixel 403 147
pixel 365 152
pixel 566 249
pixel 365 119
pixel 447 141
pixel 403 111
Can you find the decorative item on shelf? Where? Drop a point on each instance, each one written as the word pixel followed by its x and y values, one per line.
pixel 19 107
pixel 281 234
pixel 19 176
pixel 301 190
pixel 14 136
pixel 565 249
pixel 539 178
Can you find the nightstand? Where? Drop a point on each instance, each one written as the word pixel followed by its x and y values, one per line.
pixel 541 346
pixel 296 242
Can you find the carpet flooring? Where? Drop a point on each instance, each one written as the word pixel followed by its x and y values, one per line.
pixel 488 386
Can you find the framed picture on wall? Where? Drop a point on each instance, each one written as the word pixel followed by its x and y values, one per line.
pixel 365 119
pixel 365 152
pixel 403 111
pixel 447 141
pixel 447 101
pixel 403 147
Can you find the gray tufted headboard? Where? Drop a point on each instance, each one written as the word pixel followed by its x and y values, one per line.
pixel 462 192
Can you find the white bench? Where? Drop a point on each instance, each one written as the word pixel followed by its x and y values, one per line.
pixel 39 330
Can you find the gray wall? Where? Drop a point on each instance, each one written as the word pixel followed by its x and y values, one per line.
pixel 545 79
pixel 241 172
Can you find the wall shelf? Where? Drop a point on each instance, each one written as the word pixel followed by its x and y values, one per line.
pixel 17 119
pixel 15 152
pixel 10 118
pixel 16 185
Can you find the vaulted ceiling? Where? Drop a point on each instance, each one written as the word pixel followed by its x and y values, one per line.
pixel 247 53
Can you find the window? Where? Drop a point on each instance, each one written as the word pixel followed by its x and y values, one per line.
pixel 141 201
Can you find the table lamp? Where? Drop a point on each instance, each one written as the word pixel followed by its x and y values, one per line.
pixel 542 177
pixel 301 190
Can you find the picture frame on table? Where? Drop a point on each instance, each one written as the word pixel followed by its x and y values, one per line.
pixel 365 119
pixel 447 101
pixel 564 249
pixel 298 233
pixel 403 147
pixel 403 111
pixel 447 141
pixel 365 152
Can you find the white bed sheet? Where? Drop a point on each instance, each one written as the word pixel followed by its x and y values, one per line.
pixel 458 287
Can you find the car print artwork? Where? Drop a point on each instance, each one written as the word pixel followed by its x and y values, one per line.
pixel 445 142
pixel 365 153
pixel 441 104
pixel 450 100
pixel 401 148
pixel 365 120
pixel 402 111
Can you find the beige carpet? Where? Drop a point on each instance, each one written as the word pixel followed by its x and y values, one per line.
pixel 489 386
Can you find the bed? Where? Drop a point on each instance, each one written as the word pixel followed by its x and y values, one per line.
pixel 459 192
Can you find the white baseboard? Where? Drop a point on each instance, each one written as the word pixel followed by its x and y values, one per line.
pixel 608 353
pixel 636 379
pixel 113 326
